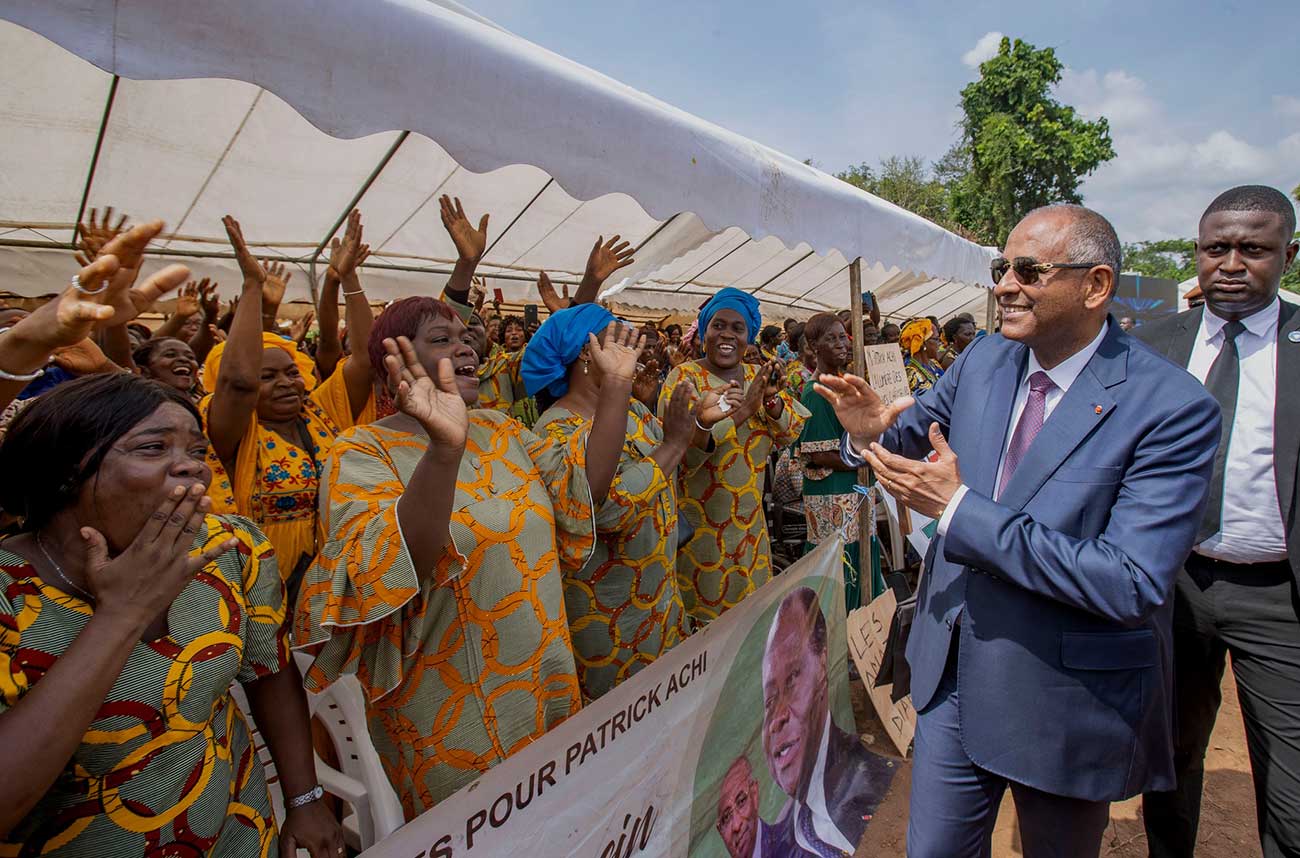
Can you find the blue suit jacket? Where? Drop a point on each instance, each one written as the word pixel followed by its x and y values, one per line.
pixel 1063 585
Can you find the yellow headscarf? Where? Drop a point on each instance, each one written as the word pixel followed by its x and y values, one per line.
pixel 914 335
pixel 305 364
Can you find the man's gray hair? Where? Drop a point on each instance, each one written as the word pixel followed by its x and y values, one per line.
pixel 1092 238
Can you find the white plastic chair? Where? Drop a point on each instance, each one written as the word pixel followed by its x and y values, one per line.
pixel 374 811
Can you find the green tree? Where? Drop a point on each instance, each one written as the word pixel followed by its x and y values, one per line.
pixel 1173 258
pixel 906 182
pixel 1291 278
pixel 1025 148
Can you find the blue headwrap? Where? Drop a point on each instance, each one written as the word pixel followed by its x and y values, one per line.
pixel 557 344
pixel 731 298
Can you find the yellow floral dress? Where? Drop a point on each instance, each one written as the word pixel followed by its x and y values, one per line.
pixel 620 582
pixel 472 663
pixel 166 767
pixel 721 495
pixel 277 480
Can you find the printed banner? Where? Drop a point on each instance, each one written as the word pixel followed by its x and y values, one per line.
pixel 739 742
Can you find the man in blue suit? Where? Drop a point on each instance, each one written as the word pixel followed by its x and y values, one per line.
pixel 1071 475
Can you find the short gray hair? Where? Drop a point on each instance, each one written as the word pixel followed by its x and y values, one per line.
pixel 1092 238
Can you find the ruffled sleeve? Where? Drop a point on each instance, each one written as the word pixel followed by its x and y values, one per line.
pixel 253 564
pixel 560 454
pixel 358 610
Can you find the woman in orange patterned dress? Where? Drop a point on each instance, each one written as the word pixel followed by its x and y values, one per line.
pixel 618 557
pixel 126 612
pixel 270 423
pixel 729 555
pixel 438 583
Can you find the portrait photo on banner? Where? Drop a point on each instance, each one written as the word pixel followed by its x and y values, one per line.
pixel 782 772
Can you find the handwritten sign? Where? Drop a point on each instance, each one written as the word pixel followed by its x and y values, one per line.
pixel 885 371
pixel 868 629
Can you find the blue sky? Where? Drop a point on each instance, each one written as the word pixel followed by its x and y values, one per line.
pixel 1201 95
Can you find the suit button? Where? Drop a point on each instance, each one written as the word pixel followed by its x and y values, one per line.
pixel 948 623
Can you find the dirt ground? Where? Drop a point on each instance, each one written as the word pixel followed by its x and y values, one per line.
pixel 1227 809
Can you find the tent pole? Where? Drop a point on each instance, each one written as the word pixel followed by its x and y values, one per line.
pixel 864 473
pixel 94 159
pixel 990 312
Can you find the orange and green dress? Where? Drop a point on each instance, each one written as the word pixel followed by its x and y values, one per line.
pixel 277 479
pixel 797 376
pixel 728 555
pixel 619 565
pixel 167 766
pixel 471 663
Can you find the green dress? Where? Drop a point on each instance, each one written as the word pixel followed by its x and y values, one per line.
pixel 830 505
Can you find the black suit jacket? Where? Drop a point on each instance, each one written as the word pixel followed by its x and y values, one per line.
pixel 855 781
pixel 1174 338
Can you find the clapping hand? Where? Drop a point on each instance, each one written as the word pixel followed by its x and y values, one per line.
pixel 760 389
pixel 470 243
pixel 439 407
pixel 348 253
pixel 249 266
pixel 925 486
pixel 860 410
pixel 682 412
pixel 616 357
pixel 607 258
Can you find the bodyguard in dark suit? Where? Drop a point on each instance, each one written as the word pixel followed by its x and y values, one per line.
pixel 1068 492
pixel 1238 591
pixel 835 784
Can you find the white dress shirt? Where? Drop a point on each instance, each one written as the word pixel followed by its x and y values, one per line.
pixel 822 823
pixel 1062 375
pixel 1252 527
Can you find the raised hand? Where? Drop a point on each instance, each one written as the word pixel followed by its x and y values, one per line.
pixel 278 276
pixel 249 266
pixel 71 319
pixel 926 486
pixel 348 253
pixel 470 243
pixel 187 302
pixel 92 235
pixel 760 389
pixel 209 300
pixel 608 257
pixel 617 356
pixel 439 407
pixel 860 410
pixel 298 330
pixel 142 581
pixel 681 414
pixel 477 294
pixel 646 386
pixel 553 302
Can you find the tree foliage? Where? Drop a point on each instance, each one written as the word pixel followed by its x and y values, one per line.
pixel 1025 148
pixel 907 183
pixel 1173 258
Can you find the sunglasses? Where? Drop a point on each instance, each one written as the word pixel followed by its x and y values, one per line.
pixel 1028 268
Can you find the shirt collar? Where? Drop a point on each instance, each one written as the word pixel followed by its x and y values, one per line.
pixel 1261 323
pixel 1065 372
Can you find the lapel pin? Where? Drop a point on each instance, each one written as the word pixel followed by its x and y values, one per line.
pixel 1098 409
pixel 1294 336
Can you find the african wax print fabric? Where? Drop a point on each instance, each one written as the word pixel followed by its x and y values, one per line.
pixel 721 495
pixel 167 766
pixel 277 479
pixel 619 565
pixel 472 661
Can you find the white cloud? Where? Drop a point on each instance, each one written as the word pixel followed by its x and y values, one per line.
pixel 1286 106
pixel 1163 174
pixel 985 49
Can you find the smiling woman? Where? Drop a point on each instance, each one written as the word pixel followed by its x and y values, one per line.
pixel 171 362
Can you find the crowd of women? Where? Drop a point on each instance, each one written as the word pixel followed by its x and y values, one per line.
pixel 488 522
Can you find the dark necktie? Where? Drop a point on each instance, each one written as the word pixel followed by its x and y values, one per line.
pixel 1222 382
pixel 820 847
pixel 1027 428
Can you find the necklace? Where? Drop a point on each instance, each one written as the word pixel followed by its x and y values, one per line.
pixel 58 570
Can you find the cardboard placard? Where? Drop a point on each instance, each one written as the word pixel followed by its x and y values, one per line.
pixel 885 372
pixel 868 629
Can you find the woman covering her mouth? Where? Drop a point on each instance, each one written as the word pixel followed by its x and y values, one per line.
pixel 729 555
pixel 439 581
pixel 269 421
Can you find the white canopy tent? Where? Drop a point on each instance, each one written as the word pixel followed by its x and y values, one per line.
pixel 284 114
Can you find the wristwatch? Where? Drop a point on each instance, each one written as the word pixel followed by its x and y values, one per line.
pixel 316 793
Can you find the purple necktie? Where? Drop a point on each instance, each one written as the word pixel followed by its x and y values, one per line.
pixel 1031 420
